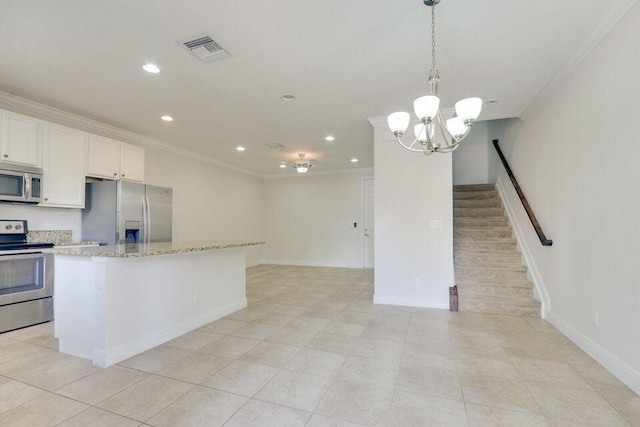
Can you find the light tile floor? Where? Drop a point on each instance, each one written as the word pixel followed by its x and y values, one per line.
pixel 312 350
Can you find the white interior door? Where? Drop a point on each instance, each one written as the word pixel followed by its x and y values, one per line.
pixel 368 198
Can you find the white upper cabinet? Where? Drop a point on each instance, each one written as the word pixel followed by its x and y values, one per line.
pixel 64 166
pixel 132 163
pixel 20 140
pixel 104 158
pixel 112 159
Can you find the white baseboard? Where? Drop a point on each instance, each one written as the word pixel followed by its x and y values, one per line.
pixel 307 263
pixel 621 370
pixel 255 262
pixel 534 272
pixel 410 302
pixel 107 357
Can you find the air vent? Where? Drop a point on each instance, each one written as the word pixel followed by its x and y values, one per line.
pixel 275 146
pixel 205 48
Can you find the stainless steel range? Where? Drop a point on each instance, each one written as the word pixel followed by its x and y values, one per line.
pixel 26 278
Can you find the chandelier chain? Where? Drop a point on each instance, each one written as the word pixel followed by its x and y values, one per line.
pixel 433 39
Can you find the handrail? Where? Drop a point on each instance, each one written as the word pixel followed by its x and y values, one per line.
pixel 523 199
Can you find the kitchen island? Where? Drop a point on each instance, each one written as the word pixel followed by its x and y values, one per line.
pixel 113 302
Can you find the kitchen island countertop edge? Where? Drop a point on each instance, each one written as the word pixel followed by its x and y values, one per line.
pixel 151 249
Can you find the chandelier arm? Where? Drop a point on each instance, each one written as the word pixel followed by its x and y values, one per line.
pixel 409 147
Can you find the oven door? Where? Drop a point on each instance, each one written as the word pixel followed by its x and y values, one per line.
pixel 25 277
pixel 13 186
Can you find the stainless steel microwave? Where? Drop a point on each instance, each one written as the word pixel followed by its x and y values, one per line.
pixel 20 184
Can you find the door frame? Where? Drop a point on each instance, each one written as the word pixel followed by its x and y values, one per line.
pixel 363 213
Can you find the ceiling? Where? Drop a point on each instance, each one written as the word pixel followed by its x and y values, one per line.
pixel 345 61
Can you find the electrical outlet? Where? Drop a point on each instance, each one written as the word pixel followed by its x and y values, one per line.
pixel 418 283
pixel 48 224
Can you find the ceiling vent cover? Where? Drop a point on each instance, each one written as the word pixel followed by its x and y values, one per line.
pixel 205 48
pixel 275 146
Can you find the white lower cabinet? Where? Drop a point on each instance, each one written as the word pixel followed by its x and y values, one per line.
pixel 64 167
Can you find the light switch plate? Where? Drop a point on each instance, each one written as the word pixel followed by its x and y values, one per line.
pixel 434 223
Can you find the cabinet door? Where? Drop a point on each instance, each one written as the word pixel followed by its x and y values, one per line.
pixel 132 163
pixel 104 158
pixel 64 165
pixel 20 140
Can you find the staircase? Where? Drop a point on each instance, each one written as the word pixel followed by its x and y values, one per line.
pixel 489 275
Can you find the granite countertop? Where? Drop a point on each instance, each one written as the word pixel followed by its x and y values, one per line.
pixel 57 237
pixel 63 244
pixel 150 249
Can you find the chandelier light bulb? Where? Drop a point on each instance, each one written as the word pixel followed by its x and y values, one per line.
pixel 302 169
pixel 469 109
pixel 426 107
pixel 420 130
pixel 398 122
pixel 457 127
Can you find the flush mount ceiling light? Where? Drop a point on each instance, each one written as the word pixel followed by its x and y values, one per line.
pixel 330 138
pixel 354 160
pixel 167 118
pixel 240 148
pixel 283 165
pixel 151 68
pixel 301 165
pixel 288 98
pixel 427 108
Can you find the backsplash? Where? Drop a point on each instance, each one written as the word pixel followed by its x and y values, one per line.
pixel 57 237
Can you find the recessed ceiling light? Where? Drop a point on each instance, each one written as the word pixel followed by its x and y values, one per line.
pixel 354 160
pixel 330 138
pixel 287 97
pixel 167 118
pixel 151 68
pixel 240 148
pixel 283 165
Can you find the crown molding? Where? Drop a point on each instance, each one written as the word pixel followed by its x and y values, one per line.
pixel 55 115
pixel 615 11
pixel 354 171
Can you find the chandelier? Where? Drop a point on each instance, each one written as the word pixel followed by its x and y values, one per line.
pixel 427 109
pixel 301 165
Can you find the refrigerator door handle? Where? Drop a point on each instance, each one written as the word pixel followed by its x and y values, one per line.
pixel 143 237
pixel 148 219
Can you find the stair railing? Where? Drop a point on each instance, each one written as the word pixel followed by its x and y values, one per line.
pixel 523 199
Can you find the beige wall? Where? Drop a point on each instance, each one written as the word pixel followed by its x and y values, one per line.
pixel 577 161
pixel 209 202
pixel 471 159
pixel 414 263
pixel 309 220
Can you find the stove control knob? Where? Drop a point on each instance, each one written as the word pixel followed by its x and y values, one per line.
pixel 18 227
pixel 8 227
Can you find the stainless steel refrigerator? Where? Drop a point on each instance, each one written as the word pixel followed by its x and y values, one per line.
pixel 126 212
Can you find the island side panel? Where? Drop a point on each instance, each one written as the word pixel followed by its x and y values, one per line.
pixel 151 300
pixel 74 304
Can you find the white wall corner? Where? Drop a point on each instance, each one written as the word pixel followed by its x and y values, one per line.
pixel 621 370
pixel 534 272
pixel 612 14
